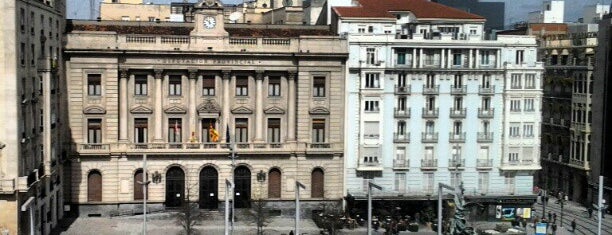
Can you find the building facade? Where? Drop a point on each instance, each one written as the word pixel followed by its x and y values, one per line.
pixel 494 12
pixel 277 91
pixel 553 11
pixel 430 101
pixel 31 147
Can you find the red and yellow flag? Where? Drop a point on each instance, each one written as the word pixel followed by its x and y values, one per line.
pixel 213 134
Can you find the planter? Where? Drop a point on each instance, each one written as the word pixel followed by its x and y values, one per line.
pixel 413 227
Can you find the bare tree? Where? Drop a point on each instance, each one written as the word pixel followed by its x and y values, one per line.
pixel 189 214
pixel 260 216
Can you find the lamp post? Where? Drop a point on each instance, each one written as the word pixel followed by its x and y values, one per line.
pixel 228 189
pixel 370 185
pixel 145 182
pixel 298 185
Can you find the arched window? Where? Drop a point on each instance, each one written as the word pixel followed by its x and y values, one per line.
pixel 138 190
pixel 318 183
pixel 274 183
pixel 94 186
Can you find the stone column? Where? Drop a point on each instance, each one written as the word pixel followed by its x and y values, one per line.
pixel 158 106
pixel 421 57
pixel 414 58
pixel 449 60
pixel 498 59
pixel 442 58
pixel 225 115
pixel 291 114
pixel 259 107
pixel 470 60
pixel 123 105
pixel 477 59
pixel 193 116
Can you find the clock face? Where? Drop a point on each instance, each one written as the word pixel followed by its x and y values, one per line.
pixel 209 22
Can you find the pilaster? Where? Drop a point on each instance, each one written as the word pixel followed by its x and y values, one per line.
pixel 158 106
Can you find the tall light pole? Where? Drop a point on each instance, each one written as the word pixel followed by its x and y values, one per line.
pixel 228 190
pixel 298 185
pixel 145 182
pixel 599 204
pixel 233 157
pixel 370 185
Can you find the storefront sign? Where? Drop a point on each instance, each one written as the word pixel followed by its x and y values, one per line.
pixel 540 229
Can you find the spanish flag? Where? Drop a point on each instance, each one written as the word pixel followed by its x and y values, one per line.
pixel 213 134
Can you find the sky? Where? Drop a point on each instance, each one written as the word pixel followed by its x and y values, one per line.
pixel 516 10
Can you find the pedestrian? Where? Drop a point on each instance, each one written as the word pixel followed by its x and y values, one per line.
pixel 590 210
pixel 549 216
pixel 524 223
pixel 574 225
pixel 554 228
pixel 291 233
pixel 554 218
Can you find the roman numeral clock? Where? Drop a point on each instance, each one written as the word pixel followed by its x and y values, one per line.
pixel 209 19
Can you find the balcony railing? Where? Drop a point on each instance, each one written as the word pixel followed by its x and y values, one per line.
pixel 457 113
pixel 95 147
pixel 401 138
pixel 489 90
pixel 369 163
pixel 429 163
pixel 430 113
pixel 485 137
pixel 485 113
pixel 456 162
pixel 456 137
pixel 429 137
pixel 458 90
pixel 401 163
pixel 484 163
pixel 402 90
pixel 431 90
pixel 401 113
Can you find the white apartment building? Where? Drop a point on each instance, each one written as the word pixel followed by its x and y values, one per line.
pixel 31 100
pixel 552 12
pixel 430 100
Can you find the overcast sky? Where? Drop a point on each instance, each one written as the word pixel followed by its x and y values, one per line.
pixel 516 10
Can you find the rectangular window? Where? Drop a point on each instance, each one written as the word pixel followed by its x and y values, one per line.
pixel 318 87
pixel 515 105
pixel 274 130
pixel 140 85
pixel 513 157
pixel 528 129
pixel 174 85
pixel 429 152
pixel 208 85
pixel 400 182
pixel 361 29
pixel 457 58
pixel 207 125
pixel 371 106
pixel 485 57
pixel 125 18
pixel 401 128
pixel 428 182
pixel 486 103
pixel 401 56
pixel 530 81
pixel 430 103
pixel 22 53
pixel 242 86
pixel 32 53
pixel 483 182
pixel 401 104
pixel 515 129
pixel 401 80
pixel 458 104
pixel 94 84
pixel 509 180
pixel 519 56
pixel 318 130
pixel 175 130
pixel 372 80
pixel 431 81
pixel 94 131
pixel 22 19
pixel 371 56
pixel 483 153
pixel 140 130
pixel 529 105
pixel 274 86
pixel 455 178
pixel 371 130
pixel 458 81
pixel 515 81
pixel 370 29
pixel 242 130
pixel 430 127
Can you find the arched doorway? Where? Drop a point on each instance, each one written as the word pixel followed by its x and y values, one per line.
pixel 274 183
pixel 318 183
pixel 175 187
pixel 242 182
pixel 209 181
pixel 94 186
pixel 138 190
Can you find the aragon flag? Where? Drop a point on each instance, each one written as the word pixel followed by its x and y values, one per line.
pixel 213 134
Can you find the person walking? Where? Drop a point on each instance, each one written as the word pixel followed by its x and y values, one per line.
pixel 549 216
pixel 554 218
pixel 554 228
pixel 574 225
pixel 590 210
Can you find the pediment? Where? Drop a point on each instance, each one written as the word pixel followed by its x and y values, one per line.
pixel 94 110
pixel 141 110
pixel 242 110
pixel 209 107
pixel 209 4
pixel 175 110
pixel 274 110
pixel 319 111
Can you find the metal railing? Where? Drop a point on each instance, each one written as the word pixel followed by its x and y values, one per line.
pixel 401 163
pixel 429 137
pixel 401 138
pixel 484 163
pixel 488 90
pixel 401 113
pixel 485 137
pixel 430 113
pixel 458 113
pixel 485 113
pixel 458 90
pixel 456 137
pixel 403 90
pixel 429 163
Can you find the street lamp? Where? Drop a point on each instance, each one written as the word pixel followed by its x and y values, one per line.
pixel 370 185
pixel 228 188
pixel 298 185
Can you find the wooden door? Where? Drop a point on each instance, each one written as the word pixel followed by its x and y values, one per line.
pixel 209 181
pixel 94 187
pixel 175 187
pixel 138 179
pixel 274 183
pixel 318 183
pixel 242 192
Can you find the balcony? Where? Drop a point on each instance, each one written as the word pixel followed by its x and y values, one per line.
pixel 456 137
pixel 429 137
pixel 431 90
pixel 484 164
pixel 485 137
pixel 486 90
pixel 430 113
pixel 458 90
pixel 457 113
pixel 401 113
pixel 485 113
pixel 401 164
pixel 401 138
pixel 402 90
pixel 579 164
pixel 456 162
pixel 518 165
pixel 371 165
pixel 429 164
pixel 202 148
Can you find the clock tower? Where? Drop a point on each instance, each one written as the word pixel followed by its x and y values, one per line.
pixel 208 19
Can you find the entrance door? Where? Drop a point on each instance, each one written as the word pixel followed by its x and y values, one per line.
pixel 242 181
pixel 209 188
pixel 175 187
pixel 274 183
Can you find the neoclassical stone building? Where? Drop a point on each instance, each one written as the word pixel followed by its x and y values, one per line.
pixel 158 88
